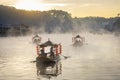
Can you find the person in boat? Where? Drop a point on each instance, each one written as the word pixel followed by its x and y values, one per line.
pixel 43 53
pixel 51 49
pixel 52 55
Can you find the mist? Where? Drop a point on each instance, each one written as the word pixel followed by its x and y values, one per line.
pixel 98 58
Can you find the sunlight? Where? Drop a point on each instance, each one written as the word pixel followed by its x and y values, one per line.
pixel 31 5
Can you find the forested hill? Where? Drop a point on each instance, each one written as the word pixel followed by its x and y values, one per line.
pixel 48 19
pixel 56 21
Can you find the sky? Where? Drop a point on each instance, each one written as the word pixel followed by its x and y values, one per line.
pixel 77 8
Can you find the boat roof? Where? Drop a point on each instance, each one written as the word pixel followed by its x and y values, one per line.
pixel 78 36
pixel 48 43
pixel 36 35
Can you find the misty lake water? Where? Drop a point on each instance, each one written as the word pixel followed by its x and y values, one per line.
pixel 98 59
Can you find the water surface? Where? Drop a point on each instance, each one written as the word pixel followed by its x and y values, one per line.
pixel 98 59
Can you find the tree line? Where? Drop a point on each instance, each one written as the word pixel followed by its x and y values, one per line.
pixel 56 21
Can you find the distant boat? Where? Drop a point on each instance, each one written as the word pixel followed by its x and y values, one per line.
pixel 36 39
pixel 48 59
pixel 78 41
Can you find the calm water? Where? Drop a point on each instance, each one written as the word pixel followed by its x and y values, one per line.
pixel 98 59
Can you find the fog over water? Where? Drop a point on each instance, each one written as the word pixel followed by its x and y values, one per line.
pixel 97 59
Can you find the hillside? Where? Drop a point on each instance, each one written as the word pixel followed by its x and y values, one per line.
pixel 55 21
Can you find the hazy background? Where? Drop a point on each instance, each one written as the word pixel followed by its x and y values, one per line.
pixel 15 22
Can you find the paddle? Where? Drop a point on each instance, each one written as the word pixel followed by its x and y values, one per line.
pixel 65 56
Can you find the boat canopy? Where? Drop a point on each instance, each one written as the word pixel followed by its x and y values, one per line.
pixel 78 36
pixel 48 43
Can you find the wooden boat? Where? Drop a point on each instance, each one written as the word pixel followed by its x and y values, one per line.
pixel 48 59
pixel 36 39
pixel 78 41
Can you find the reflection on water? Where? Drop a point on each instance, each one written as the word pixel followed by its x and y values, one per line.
pixel 48 69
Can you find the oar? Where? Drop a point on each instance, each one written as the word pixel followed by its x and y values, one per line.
pixel 65 56
pixel 33 61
